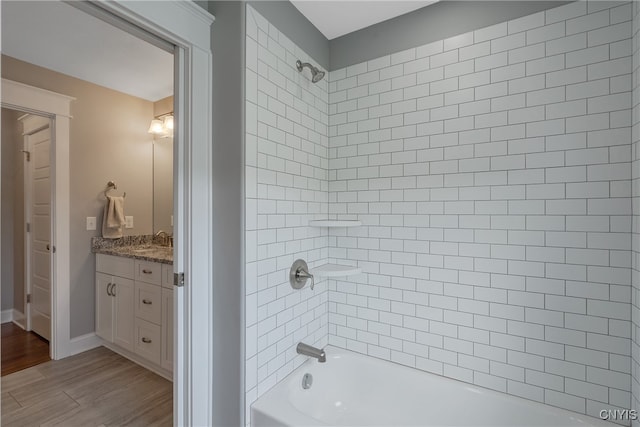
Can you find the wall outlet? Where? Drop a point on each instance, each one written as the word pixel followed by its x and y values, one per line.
pixel 128 222
pixel 91 223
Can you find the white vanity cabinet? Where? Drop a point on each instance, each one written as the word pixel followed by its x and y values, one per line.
pixel 114 300
pixel 166 354
pixel 134 310
pixel 148 303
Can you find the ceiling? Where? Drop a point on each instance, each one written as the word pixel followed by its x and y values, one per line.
pixel 62 38
pixel 90 49
pixel 336 18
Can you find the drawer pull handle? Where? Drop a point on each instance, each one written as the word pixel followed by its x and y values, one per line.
pixel 146 340
pixel 147 271
pixel 109 289
pixel 146 301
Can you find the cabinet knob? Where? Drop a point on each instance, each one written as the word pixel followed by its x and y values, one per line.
pixel 146 301
pixel 147 271
pixel 146 340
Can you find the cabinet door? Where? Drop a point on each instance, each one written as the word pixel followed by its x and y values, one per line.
pixel 123 325
pixel 104 307
pixel 167 329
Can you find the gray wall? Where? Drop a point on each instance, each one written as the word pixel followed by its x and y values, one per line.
pixel 12 215
pixel 431 23
pixel 228 205
pixel 293 24
pixel 109 141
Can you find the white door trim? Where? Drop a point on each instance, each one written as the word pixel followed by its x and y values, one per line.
pixel 57 107
pixel 188 27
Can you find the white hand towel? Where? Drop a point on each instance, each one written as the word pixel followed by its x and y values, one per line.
pixel 113 218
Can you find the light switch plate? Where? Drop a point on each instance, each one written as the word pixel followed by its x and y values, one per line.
pixel 91 223
pixel 128 222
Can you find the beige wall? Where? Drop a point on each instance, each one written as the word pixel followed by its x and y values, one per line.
pixel 163 106
pixel 12 214
pixel 109 141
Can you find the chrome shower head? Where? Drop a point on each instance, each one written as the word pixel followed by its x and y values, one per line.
pixel 316 75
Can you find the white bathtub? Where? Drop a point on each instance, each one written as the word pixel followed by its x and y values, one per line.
pixel 356 390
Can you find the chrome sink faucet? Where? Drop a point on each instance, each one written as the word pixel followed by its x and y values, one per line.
pixel 310 351
pixel 165 238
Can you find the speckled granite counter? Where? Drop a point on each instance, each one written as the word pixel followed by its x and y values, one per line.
pixel 138 247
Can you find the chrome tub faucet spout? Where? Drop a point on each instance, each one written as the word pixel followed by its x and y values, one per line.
pixel 310 351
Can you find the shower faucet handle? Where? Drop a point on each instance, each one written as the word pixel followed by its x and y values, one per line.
pixel 299 274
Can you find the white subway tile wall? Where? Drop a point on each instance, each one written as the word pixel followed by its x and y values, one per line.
pixel 286 184
pixel 492 172
pixel 635 194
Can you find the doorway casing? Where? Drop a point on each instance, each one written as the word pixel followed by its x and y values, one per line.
pixel 186 26
pixel 57 107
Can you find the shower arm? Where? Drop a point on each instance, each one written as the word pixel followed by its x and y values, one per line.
pixel 300 65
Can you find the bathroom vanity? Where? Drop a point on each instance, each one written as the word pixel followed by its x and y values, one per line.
pixel 134 304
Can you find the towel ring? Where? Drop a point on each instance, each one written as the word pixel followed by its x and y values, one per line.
pixel 112 186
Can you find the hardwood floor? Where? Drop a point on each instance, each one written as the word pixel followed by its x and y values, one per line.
pixel 21 349
pixel 94 388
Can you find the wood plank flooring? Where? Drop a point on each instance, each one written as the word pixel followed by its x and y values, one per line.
pixel 94 388
pixel 21 349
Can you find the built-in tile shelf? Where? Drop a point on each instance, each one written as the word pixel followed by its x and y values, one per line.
pixel 335 223
pixel 335 270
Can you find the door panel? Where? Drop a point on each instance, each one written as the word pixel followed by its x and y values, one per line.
pixel 40 253
pixel 123 333
pixel 104 307
pixel 167 329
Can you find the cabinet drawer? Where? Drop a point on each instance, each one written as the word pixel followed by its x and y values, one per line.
pixel 149 272
pixel 148 340
pixel 167 276
pixel 115 265
pixel 148 302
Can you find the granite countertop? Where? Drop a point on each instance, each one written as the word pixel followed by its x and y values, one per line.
pixel 137 247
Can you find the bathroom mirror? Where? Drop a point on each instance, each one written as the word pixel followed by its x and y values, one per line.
pixel 163 185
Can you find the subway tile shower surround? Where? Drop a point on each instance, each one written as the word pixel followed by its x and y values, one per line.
pixel 286 186
pixel 494 174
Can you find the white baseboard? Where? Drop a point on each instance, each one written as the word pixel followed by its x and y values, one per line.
pixel 12 315
pixel 6 316
pixel 19 319
pixel 83 343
